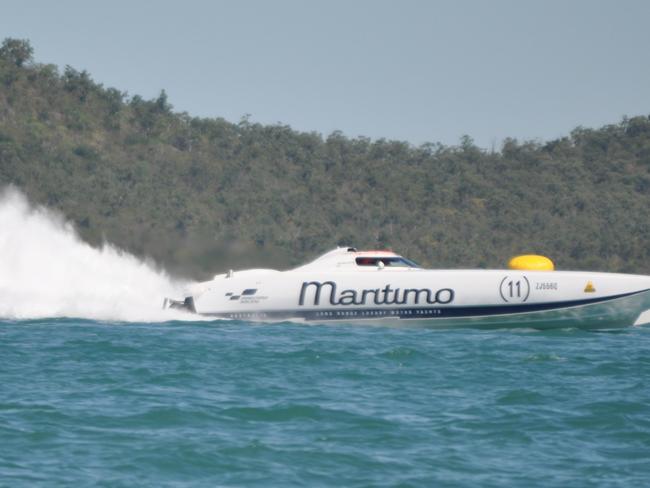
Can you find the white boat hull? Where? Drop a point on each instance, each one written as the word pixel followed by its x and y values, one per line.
pixel 331 290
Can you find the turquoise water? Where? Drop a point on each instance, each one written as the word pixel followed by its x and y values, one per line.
pixel 86 403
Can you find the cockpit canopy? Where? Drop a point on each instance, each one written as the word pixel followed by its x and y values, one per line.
pixel 348 258
pixel 392 262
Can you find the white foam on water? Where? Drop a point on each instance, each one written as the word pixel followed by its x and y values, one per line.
pixel 46 270
pixel 643 319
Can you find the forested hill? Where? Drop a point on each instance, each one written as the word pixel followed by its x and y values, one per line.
pixel 201 195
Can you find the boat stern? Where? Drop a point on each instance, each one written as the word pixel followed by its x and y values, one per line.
pixel 186 304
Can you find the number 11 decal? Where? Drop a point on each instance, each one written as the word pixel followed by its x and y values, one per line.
pixel 514 289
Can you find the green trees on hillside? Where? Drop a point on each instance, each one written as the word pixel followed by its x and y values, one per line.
pixel 201 195
pixel 16 51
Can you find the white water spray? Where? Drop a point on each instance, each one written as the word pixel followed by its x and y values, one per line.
pixel 46 270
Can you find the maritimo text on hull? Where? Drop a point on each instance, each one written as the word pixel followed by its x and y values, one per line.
pixel 347 285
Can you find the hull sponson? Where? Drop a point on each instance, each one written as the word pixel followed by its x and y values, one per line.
pixel 603 312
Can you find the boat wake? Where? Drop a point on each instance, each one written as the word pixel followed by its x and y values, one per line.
pixel 46 271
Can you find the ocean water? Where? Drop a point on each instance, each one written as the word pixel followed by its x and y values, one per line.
pixel 123 397
pixel 96 403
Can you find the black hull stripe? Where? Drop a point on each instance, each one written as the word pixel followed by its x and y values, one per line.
pixel 414 313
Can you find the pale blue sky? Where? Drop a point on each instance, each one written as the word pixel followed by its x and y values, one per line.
pixel 420 71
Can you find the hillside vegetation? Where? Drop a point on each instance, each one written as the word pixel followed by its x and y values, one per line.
pixel 200 195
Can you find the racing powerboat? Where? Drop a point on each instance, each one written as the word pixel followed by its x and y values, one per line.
pixel 347 285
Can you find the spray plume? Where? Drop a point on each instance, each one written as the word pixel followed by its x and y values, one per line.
pixel 46 270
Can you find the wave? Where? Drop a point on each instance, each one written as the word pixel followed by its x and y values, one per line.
pixel 46 270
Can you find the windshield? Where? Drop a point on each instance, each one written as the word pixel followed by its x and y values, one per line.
pixel 391 262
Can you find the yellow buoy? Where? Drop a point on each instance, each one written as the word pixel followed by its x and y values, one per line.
pixel 531 262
